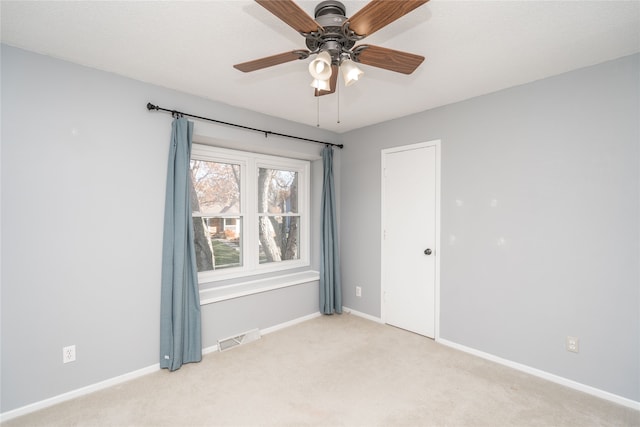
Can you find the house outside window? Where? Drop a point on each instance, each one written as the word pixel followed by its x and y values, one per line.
pixel 250 212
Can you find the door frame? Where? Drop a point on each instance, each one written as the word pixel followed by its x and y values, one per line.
pixel 437 144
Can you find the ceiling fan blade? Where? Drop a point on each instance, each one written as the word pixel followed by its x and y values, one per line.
pixel 291 14
pixel 379 13
pixel 389 59
pixel 270 61
pixel 333 80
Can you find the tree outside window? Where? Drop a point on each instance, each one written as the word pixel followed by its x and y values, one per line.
pixel 249 211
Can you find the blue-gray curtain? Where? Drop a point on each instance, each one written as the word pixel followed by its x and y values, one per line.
pixel 330 285
pixel 180 329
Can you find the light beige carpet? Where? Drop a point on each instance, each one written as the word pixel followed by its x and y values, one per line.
pixel 337 371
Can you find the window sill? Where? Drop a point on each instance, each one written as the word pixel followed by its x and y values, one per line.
pixel 223 293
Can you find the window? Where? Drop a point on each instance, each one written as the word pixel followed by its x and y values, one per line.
pixel 250 212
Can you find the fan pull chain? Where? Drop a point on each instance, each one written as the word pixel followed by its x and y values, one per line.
pixel 338 99
pixel 317 111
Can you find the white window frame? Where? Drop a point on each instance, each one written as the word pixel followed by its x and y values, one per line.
pixel 249 164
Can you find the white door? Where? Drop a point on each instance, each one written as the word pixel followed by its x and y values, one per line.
pixel 410 177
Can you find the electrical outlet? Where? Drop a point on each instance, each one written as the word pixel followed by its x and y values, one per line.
pixel 358 291
pixel 69 354
pixel 573 344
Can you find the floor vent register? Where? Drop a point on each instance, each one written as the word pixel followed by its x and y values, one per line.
pixel 245 338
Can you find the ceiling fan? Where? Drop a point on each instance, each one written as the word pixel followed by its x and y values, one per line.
pixel 332 36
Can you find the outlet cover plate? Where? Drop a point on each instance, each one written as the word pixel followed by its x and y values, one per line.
pixel 573 344
pixel 69 354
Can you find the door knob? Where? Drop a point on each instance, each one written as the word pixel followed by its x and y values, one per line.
pixel 427 251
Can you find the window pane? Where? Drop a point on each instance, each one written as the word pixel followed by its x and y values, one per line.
pixel 277 191
pixel 217 242
pixel 279 238
pixel 216 187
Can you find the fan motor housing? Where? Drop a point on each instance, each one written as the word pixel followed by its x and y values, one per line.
pixel 330 14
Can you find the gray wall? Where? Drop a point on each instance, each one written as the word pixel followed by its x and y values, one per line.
pixel 83 174
pixel 561 158
pixel 83 179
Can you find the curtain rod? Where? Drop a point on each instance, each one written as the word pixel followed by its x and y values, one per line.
pixel 266 133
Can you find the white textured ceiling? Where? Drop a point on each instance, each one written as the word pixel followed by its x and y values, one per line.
pixel 471 48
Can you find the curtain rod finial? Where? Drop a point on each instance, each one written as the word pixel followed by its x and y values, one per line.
pixel 150 106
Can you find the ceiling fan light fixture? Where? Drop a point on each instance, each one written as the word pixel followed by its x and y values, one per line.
pixel 320 67
pixel 350 72
pixel 321 84
pixel 332 37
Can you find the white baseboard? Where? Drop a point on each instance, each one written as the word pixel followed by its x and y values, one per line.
pixel 348 310
pixel 546 375
pixel 27 409
pixel 523 368
pixel 290 323
pixel 210 349
pixel 24 410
